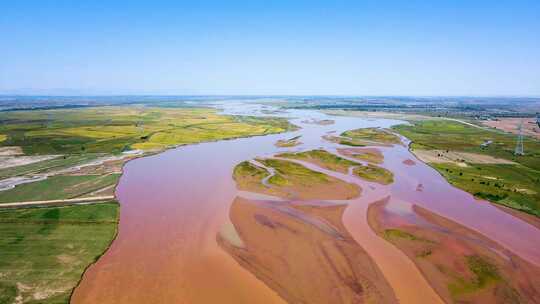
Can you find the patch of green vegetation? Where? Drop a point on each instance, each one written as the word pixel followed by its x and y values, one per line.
pixel 2 138
pixel 372 156
pixel 44 251
pixel 58 187
pixel 291 142
pixel 459 137
pixel 374 173
pixel 292 173
pixel 367 135
pixel 514 186
pixel 390 234
pixel 116 129
pixel 322 158
pixel 484 274
pixel 46 165
pixel 347 142
pixel 246 169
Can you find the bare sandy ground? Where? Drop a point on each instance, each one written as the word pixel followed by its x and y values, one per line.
pixel 441 156
pixel 511 124
pixel 14 161
pixel 304 253
pixel 10 151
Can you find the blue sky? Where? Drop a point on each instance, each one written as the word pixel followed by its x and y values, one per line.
pixel 271 47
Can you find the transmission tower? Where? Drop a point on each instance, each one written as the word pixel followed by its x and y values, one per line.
pixel 519 144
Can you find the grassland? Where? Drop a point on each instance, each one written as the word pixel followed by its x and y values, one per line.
pixel 116 129
pixel 44 251
pixel 374 173
pixel 513 185
pixel 287 143
pixel 291 181
pixel 58 187
pixel 371 135
pixel 455 136
pixel 364 137
pixel 3 137
pixel 322 158
pixel 59 163
pixel 249 177
pixel 365 154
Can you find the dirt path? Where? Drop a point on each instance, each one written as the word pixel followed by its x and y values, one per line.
pixel 60 201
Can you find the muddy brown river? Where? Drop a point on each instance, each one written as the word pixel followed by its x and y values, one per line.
pixel 174 204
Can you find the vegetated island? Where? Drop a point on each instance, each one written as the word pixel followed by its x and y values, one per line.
pixel 370 155
pixel 290 180
pixel 287 143
pixel 327 160
pixel 365 137
pixel 460 264
pixel 323 159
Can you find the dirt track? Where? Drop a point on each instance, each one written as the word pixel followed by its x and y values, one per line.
pixel 61 201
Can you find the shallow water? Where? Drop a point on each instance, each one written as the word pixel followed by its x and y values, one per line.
pixel 173 205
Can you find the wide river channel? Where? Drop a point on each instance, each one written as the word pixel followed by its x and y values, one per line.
pixel 174 204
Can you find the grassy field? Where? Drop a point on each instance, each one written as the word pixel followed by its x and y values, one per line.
pixel 116 129
pixel 512 185
pixel 44 251
pixel 47 165
pixel 455 136
pixel 292 181
pixel 368 155
pixel 323 159
pixel 248 177
pixel 58 187
pixel 286 143
pixel 289 174
pixel 3 137
pixel 369 135
pixel 375 174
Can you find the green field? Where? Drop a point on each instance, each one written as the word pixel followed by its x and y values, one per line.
pixel 375 174
pixel 44 251
pixel 286 143
pixel 117 129
pixel 370 135
pixel 58 187
pixel 59 163
pixel 291 174
pixel 515 186
pixel 455 136
pixel 322 158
